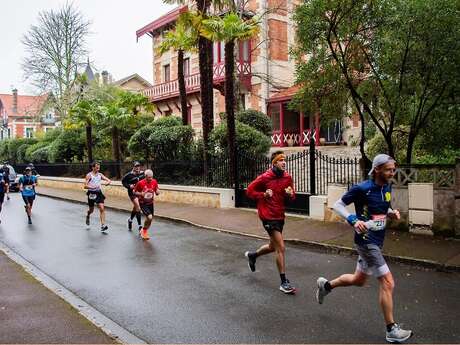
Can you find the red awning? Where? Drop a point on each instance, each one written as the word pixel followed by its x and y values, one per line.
pixel 285 94
pixel 168 18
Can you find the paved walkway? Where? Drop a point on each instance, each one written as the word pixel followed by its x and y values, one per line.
pixel 337 237
pixel 30 313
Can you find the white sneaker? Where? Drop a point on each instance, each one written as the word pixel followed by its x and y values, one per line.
pixel 397 334
pixel 321 292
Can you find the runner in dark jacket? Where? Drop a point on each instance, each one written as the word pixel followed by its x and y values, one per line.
pixel 271 190
pixel 129 181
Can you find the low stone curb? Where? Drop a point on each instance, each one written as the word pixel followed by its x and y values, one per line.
pixel 324 247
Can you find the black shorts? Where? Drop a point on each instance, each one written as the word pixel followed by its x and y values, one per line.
pixel 147 209
pixel 28 200
pixel 2 197
pixel 273 225
pixel 95 198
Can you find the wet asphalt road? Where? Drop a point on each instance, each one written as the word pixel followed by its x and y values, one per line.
pixel 189 285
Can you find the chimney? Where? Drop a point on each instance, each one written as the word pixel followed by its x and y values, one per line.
pixel 15 101
pixel 105 77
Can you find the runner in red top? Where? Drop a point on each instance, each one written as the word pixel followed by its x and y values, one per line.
pixel 146 190
pixel 270 190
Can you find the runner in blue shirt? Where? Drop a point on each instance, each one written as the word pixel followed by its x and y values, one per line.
pixel 372 200
pixel 27 184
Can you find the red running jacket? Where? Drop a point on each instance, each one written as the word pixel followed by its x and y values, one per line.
pixel 270 208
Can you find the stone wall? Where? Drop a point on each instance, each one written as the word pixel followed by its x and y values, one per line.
pixel 200 196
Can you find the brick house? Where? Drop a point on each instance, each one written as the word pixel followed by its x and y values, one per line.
pixel 265 70
pixel 22 116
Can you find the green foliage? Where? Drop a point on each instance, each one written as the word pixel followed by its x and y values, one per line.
pixel 378 145
pixel 248 140
pixel 40 155
pixel 68 147
pixel 170 143
pixel 446 156
pixel 395 61
pixel 23 144
pixel 139 145
pixel 255 119
pixel 29 153
pixel 167 121
pixel 163 139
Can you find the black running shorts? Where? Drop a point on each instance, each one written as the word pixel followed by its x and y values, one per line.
pixel 147 209
pixel 28 200
pixel 273 225
pixel 2 197
pixel 95 197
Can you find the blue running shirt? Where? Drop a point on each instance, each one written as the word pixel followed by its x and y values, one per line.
pixel 371 202
pixel 27 185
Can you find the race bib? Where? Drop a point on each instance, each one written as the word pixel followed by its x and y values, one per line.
pixel 92 196
pixel 379 222
pixel 148 196
pixel 29 187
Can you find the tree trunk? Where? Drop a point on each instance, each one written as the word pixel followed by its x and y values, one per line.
pixel 89 142
pixel 230 107
pixel 366 164
pixel 182 90
pixel 410 147
pixel 389 141
pixel 206 85
pixel 116 150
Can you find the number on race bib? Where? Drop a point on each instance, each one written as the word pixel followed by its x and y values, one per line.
pixel 379 222
pixel 92 196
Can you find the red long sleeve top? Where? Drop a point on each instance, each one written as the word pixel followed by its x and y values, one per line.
pixel 270 208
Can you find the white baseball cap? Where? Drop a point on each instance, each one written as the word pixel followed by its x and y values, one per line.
pixel 379 160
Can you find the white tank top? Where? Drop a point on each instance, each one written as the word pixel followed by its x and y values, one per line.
pixel 94 183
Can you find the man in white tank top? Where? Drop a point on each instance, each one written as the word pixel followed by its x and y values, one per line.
pixel 93 182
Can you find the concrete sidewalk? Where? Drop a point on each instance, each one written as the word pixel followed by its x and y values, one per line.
pixel 422 250
pixel 30 313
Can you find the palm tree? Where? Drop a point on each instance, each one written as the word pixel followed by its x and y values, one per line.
pixel 119 109
pixel 182 39
pixel 84 114
pixel 230 29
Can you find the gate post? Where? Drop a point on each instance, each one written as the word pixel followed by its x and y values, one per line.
pixel 312 164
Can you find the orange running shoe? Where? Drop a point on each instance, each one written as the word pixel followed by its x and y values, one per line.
pixel 144 234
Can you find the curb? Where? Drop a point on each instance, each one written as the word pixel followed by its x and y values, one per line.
pixel 96 318
pixel 324 247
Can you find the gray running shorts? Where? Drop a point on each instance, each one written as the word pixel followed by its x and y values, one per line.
pixel 371 260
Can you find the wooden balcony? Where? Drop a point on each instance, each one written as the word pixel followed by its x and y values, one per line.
pixel 192 82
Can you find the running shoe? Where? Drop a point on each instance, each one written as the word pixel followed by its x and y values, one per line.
pixel 321 292
pixel 144 234
pixel 397 334
pixel 7 198
pixel 130 224
pixel 251 260
pixel 87 220
pixel 287 288
pixel 29 221
pixel 104 228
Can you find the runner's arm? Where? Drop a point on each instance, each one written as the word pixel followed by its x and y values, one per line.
pixel 87 178
pixel 254 187
pixel 124 181
pixel 106 179
pixel 21 187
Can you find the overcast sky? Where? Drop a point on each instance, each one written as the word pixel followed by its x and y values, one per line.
pixel 112 44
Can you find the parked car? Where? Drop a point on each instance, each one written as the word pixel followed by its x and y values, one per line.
pixel 13 177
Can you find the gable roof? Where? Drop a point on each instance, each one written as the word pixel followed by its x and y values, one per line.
pixel 133 76
pixel 164 20
pixel 27 105
pixel 285 94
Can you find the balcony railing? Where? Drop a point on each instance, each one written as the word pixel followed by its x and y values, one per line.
pixel 192 82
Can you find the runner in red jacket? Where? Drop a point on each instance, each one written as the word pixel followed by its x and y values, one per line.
pixel 270 190
pixel 145 190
